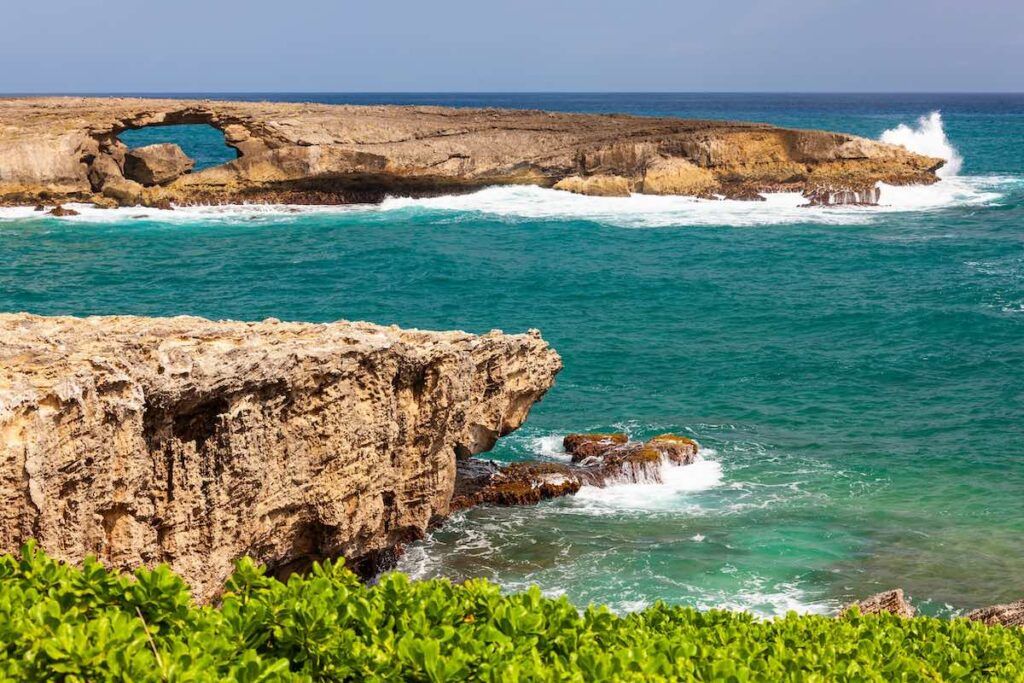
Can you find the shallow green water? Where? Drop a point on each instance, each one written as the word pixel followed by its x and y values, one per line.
pixel 857 375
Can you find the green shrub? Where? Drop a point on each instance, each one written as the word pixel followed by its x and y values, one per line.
pixel 59 622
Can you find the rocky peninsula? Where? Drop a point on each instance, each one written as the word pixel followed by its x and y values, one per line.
pixel 191 442
pixel 67 149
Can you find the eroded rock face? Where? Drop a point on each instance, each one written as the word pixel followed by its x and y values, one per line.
pixel 334 154
pixel 156 164
pixel 180 440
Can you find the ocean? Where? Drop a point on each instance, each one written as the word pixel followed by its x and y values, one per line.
pixel 855 376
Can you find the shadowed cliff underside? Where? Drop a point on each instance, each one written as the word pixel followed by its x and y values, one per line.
pixel 61 149
pixel 191 442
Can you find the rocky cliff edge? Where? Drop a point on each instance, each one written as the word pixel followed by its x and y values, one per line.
pixel 191 442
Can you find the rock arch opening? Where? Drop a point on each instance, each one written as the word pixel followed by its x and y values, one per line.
pixel 204 144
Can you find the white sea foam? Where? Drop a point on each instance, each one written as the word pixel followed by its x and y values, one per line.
pixel 929 138
pixel 677 481
pixel 549 446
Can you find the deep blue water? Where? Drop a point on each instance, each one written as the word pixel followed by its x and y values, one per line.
pixel 856 375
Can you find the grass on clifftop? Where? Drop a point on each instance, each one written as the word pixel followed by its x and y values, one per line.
pixel 68 624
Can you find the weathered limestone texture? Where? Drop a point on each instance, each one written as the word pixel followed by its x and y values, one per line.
pixel 181 440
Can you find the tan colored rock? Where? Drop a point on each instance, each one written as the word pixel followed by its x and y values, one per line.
pixel 891 601
pixel 156 164
pixel 597 185
pixel 317 153
pixel 191 442
pixel 1010 614
pixel 679 450
pixel 102 170
pixel 123 191
pixel 679 176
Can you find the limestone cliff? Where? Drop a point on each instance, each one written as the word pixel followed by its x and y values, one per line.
pixel 180 440
pixel 67 148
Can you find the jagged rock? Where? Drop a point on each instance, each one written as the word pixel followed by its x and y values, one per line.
pixel 61 211
pixel 482 482
pixel 191 442
pixel 40 207
pixel 1010 614
pixel 317 153
pixel 156 164
pixel 582 446
pixel 892 601
pixel 679 450
pixel 609 459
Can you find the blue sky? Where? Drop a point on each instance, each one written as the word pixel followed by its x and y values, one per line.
pixel 526 45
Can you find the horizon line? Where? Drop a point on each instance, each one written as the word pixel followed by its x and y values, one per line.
pixel 121 93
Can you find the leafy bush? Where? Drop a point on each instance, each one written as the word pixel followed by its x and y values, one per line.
pixel 58 622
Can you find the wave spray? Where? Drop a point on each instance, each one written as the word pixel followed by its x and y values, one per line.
pixel 927 138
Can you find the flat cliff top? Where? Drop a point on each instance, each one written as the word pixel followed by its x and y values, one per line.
pixel 40 350
pixel 312 123
pixel 67 148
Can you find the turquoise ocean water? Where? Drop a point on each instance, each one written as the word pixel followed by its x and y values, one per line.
pixel 855 375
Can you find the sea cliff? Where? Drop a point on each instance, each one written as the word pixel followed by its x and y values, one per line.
pixel 67 149
pixel 191 442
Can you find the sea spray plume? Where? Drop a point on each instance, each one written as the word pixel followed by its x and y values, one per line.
pixel 927 138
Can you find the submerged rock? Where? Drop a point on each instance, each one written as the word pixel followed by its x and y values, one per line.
pixel 156 164
pixel 191 442
pixel 61 211
pixel 891 601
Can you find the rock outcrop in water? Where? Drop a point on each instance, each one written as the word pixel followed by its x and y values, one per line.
pixel 180 440
pixel 62 149
pixel 596 460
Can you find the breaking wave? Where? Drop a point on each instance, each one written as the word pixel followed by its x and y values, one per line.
pixel 928 138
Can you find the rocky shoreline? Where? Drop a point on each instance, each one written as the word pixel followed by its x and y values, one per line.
pixel 194 443
pixel 59 150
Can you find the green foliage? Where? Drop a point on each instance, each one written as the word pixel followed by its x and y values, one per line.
pixel 68 624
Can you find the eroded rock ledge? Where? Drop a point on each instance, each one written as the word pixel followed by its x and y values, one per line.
pixel 191 442
pixel 62 149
